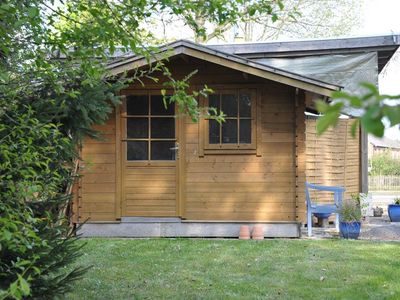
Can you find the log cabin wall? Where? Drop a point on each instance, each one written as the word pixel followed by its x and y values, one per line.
pixel 247 186
pixel 97 186
pixel 333 158
pixel 256 186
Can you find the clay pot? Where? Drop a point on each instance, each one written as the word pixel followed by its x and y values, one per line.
pixel 258 232
pixel 244 233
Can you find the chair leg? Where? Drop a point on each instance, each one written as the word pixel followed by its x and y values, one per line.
pixel 337 222
pixel 309 223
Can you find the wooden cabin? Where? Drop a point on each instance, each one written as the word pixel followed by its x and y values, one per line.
pixel 157 173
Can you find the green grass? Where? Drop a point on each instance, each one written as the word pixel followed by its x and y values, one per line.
pixel 234 269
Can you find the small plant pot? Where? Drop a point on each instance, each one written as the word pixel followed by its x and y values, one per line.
pixel 244 233
pixel 258 232
pixel 350 230
pixel 378 211
pixel 394 212
pixel 322 219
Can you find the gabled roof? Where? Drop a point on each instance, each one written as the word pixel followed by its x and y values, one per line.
pixel 183 47
pixel 384 142
pixel 385 46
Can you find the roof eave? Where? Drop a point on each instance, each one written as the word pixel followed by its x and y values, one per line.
pixel 227 60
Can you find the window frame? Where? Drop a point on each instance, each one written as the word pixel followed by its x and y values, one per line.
pixel 149 139
pixel 238 147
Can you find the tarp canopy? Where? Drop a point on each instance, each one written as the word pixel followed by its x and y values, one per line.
pixel 347 70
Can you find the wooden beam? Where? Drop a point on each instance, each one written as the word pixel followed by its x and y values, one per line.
pixel 363 161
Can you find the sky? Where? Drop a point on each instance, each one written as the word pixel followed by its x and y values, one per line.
pixel 380 17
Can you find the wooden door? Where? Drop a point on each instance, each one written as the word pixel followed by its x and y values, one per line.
pixel 150 154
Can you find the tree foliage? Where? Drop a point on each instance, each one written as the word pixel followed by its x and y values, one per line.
pixel 384 164
pixel 53 88
pixel 372 107
pixel 265 20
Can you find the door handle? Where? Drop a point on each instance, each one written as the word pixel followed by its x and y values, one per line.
pixel 176 149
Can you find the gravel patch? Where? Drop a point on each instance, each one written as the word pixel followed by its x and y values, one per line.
pixel 372 228
pixel 380 229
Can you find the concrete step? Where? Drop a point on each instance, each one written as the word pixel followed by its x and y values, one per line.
pixel 186 229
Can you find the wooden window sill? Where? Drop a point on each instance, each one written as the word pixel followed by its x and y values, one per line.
pixel 229 151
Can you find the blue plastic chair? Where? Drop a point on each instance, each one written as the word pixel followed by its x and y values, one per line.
pixel 323 208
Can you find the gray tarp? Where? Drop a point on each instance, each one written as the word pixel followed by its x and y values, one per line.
pixel 347 70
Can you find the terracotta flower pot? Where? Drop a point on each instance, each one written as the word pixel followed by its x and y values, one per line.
pixel 258 232
pixel 244 233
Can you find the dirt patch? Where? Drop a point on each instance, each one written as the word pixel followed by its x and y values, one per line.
pixel 380 229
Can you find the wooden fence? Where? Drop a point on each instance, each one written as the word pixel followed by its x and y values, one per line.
pixel 384 183
pixel 333 158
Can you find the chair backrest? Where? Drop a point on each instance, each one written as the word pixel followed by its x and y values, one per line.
pixel 337 192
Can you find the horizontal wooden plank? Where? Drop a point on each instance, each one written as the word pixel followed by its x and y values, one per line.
pixel 161 196
pixel 99 158
pixel 98 178
pixel 278 149
pixel 217 198
pixel 277 127
pixel 97 207
pixel 98 188
pixel 254 216
pixel 194 158
pixel 240 208
pixel 268 107
pixel 150 177
pixel 247 187
pixel 150 190
pixel 280 117
pixel 146 202
pixel 278 137
pixel 88 168
pixel 133 212
pixel 105 137
pixel 148 171
pixel 96 216
pixel 241 177
pixel 240 167
pixel 98 197
pixel 130 186
pixel 101 148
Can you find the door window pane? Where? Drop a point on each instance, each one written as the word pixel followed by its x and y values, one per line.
pixel 137 128
pixel 163 150
pixel 245 105
pixel 137 150
pixel 229 131
pixel 158 107
pixel 213 132
pixel 229 105
pixel 245 131
pixel 213 101
pixel 137 105
pixel 163 128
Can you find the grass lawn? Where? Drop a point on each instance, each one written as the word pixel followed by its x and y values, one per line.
pixel 234 269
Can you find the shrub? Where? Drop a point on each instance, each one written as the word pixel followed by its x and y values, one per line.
pixel 350 210
pixel 384 164
pixel 36 241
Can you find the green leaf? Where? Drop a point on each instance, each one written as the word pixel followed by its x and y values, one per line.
pixel 371 87
pixel 374 126
pixel 24 285
pixel 321 106
pixel 326 121
pixel 393 114
pixel 33 12
pixel 354 127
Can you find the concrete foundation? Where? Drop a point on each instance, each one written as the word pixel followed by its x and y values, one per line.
pixel 174 227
